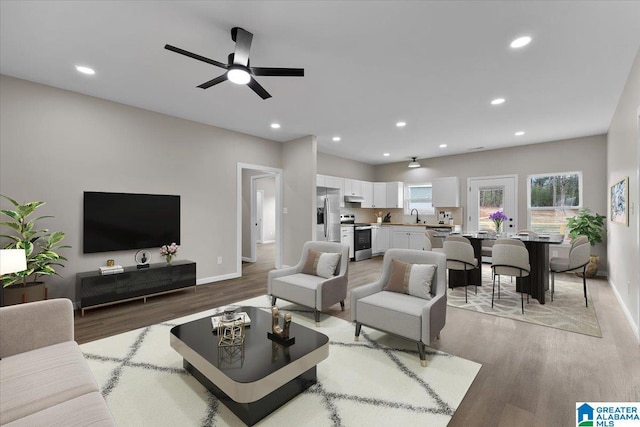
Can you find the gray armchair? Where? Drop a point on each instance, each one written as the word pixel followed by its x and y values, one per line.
pixel 408 316
pixel 292 284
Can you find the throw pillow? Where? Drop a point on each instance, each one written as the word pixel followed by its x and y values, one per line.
pixel 321 264
pixel 412 279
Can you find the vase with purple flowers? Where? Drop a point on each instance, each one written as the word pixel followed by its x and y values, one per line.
pixel 498 218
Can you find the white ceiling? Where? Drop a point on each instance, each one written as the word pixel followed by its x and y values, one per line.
pixel 368 64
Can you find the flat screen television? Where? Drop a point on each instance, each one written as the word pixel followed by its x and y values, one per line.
pixel 123 221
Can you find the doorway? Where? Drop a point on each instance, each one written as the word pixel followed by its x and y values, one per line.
pixel 246 234
pixel 488 195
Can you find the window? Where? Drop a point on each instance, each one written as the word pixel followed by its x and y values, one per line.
pixel 552 199
pixel 419 197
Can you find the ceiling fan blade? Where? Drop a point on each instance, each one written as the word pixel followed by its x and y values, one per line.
pixel 219 79
pixel 286 72
pixel 253 84
pixel 195 56
pixel 243 40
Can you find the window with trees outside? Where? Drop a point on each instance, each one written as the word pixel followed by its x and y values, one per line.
pixel 419 197
pixel 552 199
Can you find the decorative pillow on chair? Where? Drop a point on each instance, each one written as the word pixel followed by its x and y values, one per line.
pixel 412 279
pixel 321 264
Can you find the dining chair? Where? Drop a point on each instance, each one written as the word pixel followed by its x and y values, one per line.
pixel 578 258
pixel 510 257
pixel 460 257
pixel 434 240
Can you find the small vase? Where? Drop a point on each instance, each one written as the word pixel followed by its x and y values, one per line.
pixel 498 229
pixel 169 259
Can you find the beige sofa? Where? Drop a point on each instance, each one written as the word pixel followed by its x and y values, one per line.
pixel 44 378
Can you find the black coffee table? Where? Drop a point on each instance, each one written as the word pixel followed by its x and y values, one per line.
pixel 257 378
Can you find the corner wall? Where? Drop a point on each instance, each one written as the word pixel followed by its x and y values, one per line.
pixel 623 146
pixel 299 160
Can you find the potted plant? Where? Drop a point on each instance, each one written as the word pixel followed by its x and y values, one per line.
pixel 590 225
pixel 40 245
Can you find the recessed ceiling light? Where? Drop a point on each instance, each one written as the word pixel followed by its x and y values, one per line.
pixel 275 125
pixel 520 42
pixel 497 101
pixel 519 133
pixel 386 154
pixel 336 138
pixel 85 70
pixel 401 124
pixel 443 145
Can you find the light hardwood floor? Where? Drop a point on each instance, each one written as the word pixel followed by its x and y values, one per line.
pixel 531 375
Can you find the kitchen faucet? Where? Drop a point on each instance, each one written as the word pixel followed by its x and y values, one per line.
pixel 417 218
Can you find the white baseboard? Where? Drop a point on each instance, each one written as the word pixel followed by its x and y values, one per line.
pixel 264 242
pixel 205 280
pixel 247 259
pixel 625 310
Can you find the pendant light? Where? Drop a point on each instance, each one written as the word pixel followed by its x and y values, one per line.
pixel 414 163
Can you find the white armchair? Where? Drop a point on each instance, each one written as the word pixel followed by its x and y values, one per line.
pixel 413 317
pixel 311 290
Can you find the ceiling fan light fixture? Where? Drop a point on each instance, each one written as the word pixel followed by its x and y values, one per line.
pixel 414 163
pixel 238 76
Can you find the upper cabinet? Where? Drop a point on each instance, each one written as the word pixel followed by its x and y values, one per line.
pixel 352 187
pixel 379 195
pixel 446 192
pixel 395 195
pixel 375 194
pixel 367 194
pixel 332 182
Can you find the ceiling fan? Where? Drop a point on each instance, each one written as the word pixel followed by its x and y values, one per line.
pixel 238 68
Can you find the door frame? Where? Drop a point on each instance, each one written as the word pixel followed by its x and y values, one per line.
pixel 515 196
pixel 279 190
pixel 253 257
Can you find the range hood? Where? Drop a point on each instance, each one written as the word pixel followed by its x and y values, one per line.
pixel 353 199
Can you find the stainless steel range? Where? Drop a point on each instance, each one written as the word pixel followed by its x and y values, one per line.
pixel 361 237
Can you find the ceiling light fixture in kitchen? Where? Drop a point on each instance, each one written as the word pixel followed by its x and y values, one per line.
pixel 414 163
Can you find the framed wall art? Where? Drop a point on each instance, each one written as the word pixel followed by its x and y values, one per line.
pixel 619 202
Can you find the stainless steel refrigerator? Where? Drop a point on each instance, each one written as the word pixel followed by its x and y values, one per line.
pixel 328 224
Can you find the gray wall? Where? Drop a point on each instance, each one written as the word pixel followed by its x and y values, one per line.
pixel 588 154
pixel 339 166
pixel 55 144
pixel 623 146
pixel 299 163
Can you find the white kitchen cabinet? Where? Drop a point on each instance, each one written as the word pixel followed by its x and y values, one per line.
pixel 352 187
pixel 321 180
pixel 446 192
pixel 379 195
pixel 395 195
pixel 346 238
pixel 367 194
pixel 407 238
pixel 337 182
pixel 380 243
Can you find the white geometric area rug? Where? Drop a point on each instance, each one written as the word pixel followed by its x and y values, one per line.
pixel 375 381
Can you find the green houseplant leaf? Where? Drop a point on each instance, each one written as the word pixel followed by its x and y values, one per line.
pixel 41 246
pixel 587 224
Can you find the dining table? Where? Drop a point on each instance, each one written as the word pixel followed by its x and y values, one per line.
pixel 535 284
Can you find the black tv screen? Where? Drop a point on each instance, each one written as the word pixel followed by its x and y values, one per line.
pixel 122 221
